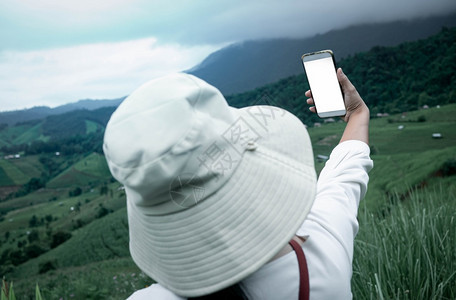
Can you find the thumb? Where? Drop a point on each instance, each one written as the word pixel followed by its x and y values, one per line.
pixel 345 83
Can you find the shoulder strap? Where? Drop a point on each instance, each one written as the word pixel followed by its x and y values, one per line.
pixel 304 288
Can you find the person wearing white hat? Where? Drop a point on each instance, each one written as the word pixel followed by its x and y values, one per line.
pixel 215 194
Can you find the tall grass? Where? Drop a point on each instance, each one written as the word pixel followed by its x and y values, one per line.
pixel 411 252
pixel 406 253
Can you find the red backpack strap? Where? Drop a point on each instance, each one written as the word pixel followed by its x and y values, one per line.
pixel 304 288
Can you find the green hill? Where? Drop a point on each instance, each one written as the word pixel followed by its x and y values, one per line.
pixel 66 226
pixel 35 133
pixel 20 170
pixel 390 79
pixel 89 170
pixel 9 135
pixel 53 128
pixel 416 158
pixel 104 239
pixel 100 237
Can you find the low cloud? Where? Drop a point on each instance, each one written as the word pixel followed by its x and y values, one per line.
pixel 98 71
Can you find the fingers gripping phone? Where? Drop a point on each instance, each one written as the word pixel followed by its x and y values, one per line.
pixel 321 74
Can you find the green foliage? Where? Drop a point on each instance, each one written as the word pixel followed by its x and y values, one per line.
pixel 38 293
pixel 7 292
pixel 88 243
pixel 401 78
pixel 32 185
pixel 65 144
pixel 449 168
pixel 17 257
pixel 59 238
pixel 111 279
pixel 33 222
pixel 33 236
pixel 46 266
pixel 102 211
pixel 409 254
pixel 76 192
pixel 33 251
pixel 390 79
pixel 75 122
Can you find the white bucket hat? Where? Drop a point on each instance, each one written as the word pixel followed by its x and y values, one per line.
pixel 213 192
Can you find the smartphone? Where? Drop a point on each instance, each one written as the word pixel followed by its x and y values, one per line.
pixel 321 74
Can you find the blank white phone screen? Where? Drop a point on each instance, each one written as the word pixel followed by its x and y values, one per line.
pixel 324 85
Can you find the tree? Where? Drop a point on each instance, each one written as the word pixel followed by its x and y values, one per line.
pixel 33 251
pixel 46 266
pixel 33 222
pixel 59 237
pixel 33 236
pixel 76 192
pixel 104 190
pixel 17 257
pixel 102 211
pixel 48 218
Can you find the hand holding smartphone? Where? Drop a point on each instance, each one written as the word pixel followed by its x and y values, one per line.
pixel 326 91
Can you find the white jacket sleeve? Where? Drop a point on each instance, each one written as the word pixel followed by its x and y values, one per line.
pixel 341 185
pixel 331 224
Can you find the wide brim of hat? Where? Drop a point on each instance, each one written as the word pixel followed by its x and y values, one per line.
pixel 239 228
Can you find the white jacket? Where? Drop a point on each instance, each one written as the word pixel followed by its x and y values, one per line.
pixel 330 229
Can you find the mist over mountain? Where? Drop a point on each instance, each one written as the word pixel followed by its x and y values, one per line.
pixel 245 66
pixel 391 80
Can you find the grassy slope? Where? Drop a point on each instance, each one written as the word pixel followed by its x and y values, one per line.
pixel 13 172
pixel 94 164
pixel 68 213
pixel 410 252
pixel 8 135
pixel 103 239
pixel 5 180
pixel 395 169
pixel 32 134
pixel 92 168
pixel 112 279
pixel 19 171
pixel 106 238
pixel 92 126
pixel 95 261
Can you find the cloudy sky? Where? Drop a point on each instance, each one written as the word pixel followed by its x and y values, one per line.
pixel 54 52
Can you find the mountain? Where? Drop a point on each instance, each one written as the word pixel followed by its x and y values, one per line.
pixel 40 112
pixel 251 64
pixel 391 80
pixel 247 65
